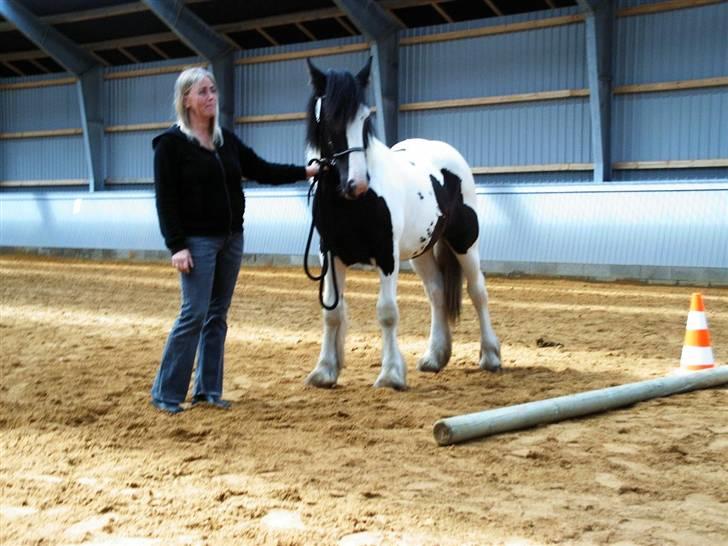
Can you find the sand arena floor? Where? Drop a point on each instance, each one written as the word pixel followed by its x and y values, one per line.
pixel 86 459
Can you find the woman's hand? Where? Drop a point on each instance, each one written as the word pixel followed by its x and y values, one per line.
pixel 312 170
pixel 182 261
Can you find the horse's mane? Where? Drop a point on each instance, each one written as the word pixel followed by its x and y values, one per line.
pixel 339 105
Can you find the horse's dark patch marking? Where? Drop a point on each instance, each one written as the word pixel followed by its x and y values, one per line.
pixel 412 163
pixel 459 221
pixel 419 194
pixel 423 239
pixel 357 231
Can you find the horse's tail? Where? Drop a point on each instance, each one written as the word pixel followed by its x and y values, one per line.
pixel 452 275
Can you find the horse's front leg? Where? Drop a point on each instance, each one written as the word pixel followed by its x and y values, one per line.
pixel 331 359
pixel 394 370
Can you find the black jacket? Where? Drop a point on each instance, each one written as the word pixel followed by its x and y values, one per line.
pixel 199 192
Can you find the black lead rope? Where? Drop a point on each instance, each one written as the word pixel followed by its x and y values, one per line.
pixel 328 259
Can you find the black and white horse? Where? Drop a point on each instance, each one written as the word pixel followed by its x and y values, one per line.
pixel 376 205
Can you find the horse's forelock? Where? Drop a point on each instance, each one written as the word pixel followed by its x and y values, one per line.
pixel 344 95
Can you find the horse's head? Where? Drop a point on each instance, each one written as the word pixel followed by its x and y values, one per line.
pixel 339 125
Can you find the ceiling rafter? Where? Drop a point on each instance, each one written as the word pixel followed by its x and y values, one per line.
pixel 441 12
pixel 258 25
pixel 158 51
pixel 493 7
pixel 93 13
pixel 308 33
pixel 346 26
pixel 10 66
pixel 39 66
pixel 138 7
pixel 129 55
pixel 267 36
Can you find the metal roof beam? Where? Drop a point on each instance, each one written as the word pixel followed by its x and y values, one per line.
pixel 599 30
pixel 69 55
pixel 369 17
pixel 89 86
pixel 380 27
pixel 192 30
pixel 203 39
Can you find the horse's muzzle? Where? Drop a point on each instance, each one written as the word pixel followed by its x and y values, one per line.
pixel 354 190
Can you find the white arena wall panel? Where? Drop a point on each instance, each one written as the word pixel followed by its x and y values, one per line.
pixel 588 230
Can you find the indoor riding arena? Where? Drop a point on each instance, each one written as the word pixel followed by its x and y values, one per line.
pixel 595 135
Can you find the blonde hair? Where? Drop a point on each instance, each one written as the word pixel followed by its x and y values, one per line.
pixel 182 86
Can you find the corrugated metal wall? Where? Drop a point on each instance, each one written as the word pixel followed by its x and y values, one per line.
pixel 35 109
pixel 509 134
pixel 685 44
pixel 532 61
pixel 502 64
pixel 133 101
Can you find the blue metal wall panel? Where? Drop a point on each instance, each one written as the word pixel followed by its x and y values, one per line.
pixel 40 108
pixel 490 22
pixel 668 175
pixel 509 134
pixel 280 142
pixel 129 156
pixel 139 100
pixel 689 124
pixel 673 45
pixel 283 86
pixel 43 159
pixel 510 179
pixel 503 64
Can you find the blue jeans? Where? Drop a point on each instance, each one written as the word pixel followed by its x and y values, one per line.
pixel 201 327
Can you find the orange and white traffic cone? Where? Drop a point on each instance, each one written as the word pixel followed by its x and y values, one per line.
pixel 697 354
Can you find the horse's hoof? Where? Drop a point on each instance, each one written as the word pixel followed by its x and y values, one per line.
pixel 320 379
pixel 490 364
pixel 430 365
pixel 389 382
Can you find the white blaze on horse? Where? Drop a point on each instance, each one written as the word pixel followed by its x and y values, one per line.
pixel 376 205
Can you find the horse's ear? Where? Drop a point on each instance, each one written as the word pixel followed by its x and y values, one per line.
pixel 318 79
pixel 363 76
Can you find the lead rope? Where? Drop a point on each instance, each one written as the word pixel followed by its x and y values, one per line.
pixel 328 258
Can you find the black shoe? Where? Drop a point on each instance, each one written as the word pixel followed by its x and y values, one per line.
pixel 167 408
pixel 211 400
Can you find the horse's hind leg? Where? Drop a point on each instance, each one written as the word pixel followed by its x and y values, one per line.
pixel 394 371
pixel 439 347
pixel 331 359
pixel 489 344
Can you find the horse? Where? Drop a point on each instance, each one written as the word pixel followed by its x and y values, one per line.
pixel 377 205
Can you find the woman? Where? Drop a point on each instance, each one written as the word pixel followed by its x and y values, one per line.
pixel 200 203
